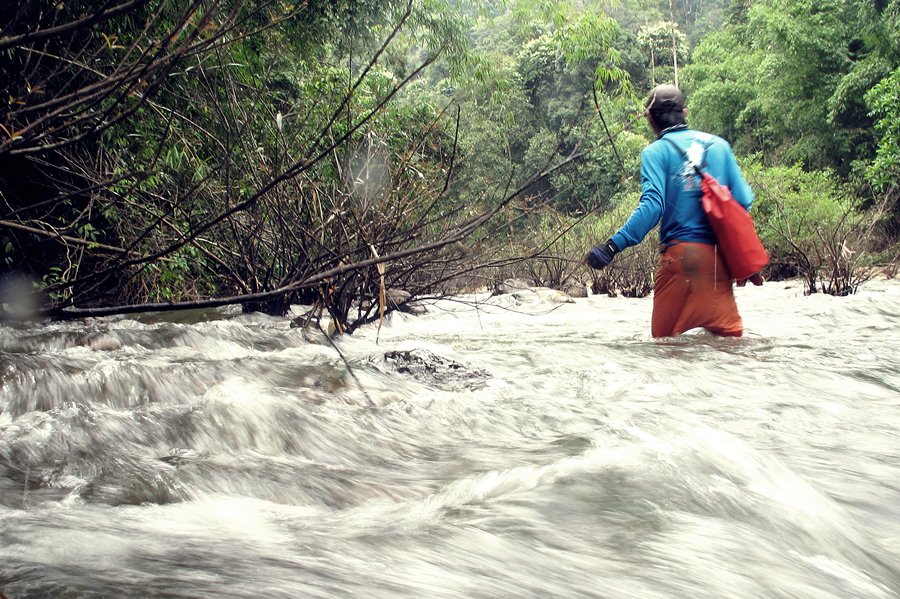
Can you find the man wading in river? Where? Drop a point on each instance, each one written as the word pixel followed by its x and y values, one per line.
pixel 692 286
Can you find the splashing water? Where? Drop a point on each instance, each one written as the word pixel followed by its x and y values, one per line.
pixel 516 448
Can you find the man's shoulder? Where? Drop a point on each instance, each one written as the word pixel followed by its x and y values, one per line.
pixel 697 141
pixel 695 135
pixel 688 136
pixel 656 150
pixel 708 139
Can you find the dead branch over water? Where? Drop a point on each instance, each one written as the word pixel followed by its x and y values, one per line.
pixel 215 182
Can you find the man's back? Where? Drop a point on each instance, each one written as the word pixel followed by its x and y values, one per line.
pixel 670 190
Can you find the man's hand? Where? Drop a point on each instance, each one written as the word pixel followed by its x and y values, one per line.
pixel 601 255
pixel 755 278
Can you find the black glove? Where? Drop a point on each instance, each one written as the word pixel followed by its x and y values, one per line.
pixel 601 255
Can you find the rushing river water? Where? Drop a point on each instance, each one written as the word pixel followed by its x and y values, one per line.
pixel 516 447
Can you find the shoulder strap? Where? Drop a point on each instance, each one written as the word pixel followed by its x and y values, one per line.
pixel 697 169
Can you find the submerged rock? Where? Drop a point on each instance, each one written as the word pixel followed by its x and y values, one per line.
pixel 403 301
pixel 553 296
pixel 104 343
pixel 540 295
pixel 574 289
pixel 526 292
pixel 513 286
pixel 397 296
pixel 430 368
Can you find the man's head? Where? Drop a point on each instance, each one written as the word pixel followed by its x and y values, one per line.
pixel 665 107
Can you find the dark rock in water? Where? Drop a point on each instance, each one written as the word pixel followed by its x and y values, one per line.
pixel 125 480
pixel 178 457
pixel 403 301
pixel 512 286
pixel 436 370
pixel 575 289
pixel 539 296
pixel 414 308
pixel 397 296
pixel 104 343
pixel 553 296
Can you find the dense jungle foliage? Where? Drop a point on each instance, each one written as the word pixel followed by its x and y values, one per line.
pixel 161 154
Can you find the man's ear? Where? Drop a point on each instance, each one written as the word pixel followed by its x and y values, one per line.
pixel 651 122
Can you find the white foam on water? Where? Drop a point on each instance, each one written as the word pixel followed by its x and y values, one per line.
pixel 231 457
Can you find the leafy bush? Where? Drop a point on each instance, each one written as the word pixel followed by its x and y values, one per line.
pixel 884 100
pixel 812 228
pixel 631 273
pixel 552 254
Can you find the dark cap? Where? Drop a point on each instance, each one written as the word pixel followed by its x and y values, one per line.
pixel 665 98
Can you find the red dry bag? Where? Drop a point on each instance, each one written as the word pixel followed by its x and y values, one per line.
pixel 742 251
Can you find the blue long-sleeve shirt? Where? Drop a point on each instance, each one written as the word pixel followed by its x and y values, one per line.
pixel 670 190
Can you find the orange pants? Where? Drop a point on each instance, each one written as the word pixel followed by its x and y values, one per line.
pixel 693 289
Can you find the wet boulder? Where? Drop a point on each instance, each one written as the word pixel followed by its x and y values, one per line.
pixel 432 369
pixel 539 296
pixel 575 288
pixel 403 301
pixel 511 286
pixel 553 296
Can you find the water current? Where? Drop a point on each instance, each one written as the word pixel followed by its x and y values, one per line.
pixel 512 446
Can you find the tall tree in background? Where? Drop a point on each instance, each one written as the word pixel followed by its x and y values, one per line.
pixel 666 48
pixel 548 58
pixel 788 79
